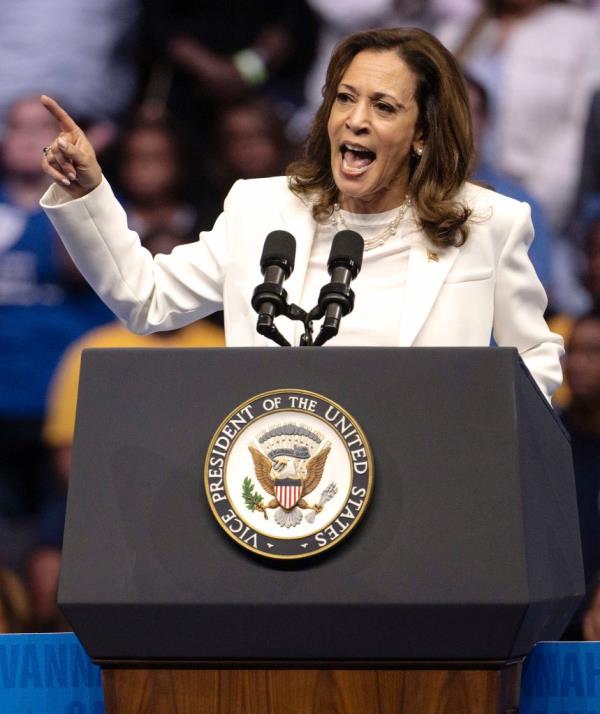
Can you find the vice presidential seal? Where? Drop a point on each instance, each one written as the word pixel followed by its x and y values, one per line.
pixel 288 474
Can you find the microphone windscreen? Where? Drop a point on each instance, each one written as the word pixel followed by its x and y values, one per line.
pixel 347 245
pixel 279 247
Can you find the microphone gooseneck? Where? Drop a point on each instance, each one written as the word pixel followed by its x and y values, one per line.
pixel 269 299
pixel 336 299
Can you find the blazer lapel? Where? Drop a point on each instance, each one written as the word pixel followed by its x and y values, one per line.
pixel 427 270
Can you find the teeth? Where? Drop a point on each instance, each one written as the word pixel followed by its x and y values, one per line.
pixel 352 147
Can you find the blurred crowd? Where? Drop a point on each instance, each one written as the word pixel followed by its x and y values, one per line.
pixel 180 99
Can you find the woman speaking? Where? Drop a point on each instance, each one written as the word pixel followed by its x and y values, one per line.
pixel 388 156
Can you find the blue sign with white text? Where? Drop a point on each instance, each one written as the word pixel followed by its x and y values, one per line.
pixel 561 678
pixel 52 674
pixel 48 674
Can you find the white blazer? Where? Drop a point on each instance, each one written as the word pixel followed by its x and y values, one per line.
pixel 454 296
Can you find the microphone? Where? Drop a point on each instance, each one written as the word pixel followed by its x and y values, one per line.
pixel 269 299
pixel 336 299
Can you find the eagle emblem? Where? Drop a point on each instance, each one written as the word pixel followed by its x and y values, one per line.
pixel 288 474
pixel 289 461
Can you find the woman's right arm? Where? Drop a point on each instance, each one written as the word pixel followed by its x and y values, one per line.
pixel 147 294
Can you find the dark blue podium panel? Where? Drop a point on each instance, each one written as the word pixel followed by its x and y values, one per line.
pixel 469 549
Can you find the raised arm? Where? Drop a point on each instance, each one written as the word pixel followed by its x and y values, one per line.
pixel 147 294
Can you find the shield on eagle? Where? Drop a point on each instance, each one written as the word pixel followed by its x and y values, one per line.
pixel 288 491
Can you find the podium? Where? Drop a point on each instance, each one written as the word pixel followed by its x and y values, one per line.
pixel 467 555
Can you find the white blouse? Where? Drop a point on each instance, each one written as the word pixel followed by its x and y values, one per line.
pixel 383 273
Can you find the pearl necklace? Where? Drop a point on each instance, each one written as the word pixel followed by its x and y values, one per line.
pixel 338 220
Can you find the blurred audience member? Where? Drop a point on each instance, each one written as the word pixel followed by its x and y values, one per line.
pixel 42 573
pixel 589 282
pixel 43 307
pixel 589 183
pixel 82 52
pixel 591 279
pixel 541 248
pixel 15 610
pixel 151 174
pixel 586 205
pixel 44 560
pixel 540 62
pixel 587 268
pixel 251 143
pixel 212 53
pixel 251 139
pixel 220 50
pixel 582 419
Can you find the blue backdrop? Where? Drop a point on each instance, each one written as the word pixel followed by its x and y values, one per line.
pixel 48 674
pixel 52 674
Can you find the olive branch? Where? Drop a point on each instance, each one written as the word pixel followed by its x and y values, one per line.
pixel 252 498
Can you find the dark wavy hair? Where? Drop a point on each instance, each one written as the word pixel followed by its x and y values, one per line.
pixel 444 119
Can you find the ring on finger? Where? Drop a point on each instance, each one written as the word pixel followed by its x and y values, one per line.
pixel 46 150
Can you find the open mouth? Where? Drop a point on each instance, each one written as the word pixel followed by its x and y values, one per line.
pixel 356 159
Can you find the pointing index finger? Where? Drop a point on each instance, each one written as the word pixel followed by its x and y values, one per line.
pixel 65 122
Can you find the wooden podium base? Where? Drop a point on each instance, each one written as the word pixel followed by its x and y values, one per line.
pixel 312 691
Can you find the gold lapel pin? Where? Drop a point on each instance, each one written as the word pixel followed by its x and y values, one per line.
pixel 431 256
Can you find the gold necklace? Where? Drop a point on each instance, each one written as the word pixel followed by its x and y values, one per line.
pixel 338 220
